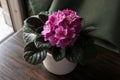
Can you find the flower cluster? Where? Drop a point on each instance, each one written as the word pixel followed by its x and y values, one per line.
pixel 52 33
pixel 62 28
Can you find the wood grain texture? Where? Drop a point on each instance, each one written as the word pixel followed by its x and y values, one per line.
pixel 13 67
pixel 16 13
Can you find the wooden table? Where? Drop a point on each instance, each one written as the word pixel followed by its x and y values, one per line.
pixel 13 67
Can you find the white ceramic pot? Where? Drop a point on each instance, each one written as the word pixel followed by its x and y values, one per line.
pixel 60 67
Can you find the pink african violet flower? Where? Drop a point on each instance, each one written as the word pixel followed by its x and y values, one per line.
pixel 62 28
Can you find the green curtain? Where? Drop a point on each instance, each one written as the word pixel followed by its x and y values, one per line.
pixel 101 14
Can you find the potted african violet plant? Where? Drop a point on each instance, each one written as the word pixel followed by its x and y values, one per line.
pixel 58 40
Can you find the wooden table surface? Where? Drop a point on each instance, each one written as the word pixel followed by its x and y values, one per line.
pixel 13 67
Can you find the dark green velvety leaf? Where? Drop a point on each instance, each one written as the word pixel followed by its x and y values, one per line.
pixel 90 53
pixel 33 23
pixel 40 43
pixel 28 34
pixel 43 17
pixel 39 30
pixel 58 53
pixel 46 13
pixel 33 26
pixel 89 49
pixel 84 41
pixel 34 55
pixel 28 37
pixel 83 50
pixel 74 54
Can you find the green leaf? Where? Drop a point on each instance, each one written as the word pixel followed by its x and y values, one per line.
pixel 28 34
pixel 33 23
pixel 34 55
pixel 33 26
pixel 44 13
pixel 83 50
pixel 73 54
pixel 58 53
pixel 90 52
pixel 39 30
pixel 43 17
pixel 40 43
